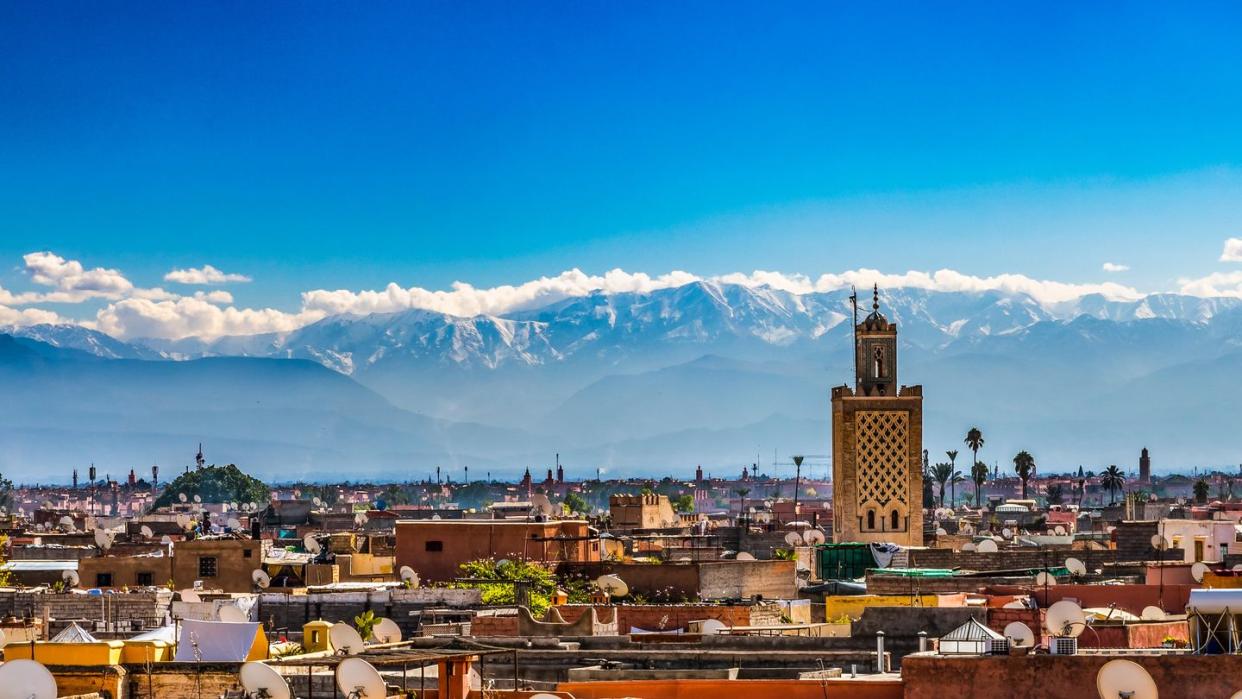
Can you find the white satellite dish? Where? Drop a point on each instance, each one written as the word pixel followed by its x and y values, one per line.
pixel 1158 542
pixel 1125 678
pixel 198 498
pixel 1007 533
pixel 813 537
pixel 986 546
pixel 356 678
pixel 409 575
pixel 1075 566
pixel 317 501
pixel 260 680
pixel 166 540
pixel 1153 613
pixel 311 544
pixel 1019 635
pixel 182 497
pixel 26 679
pixel 793 539
pixel 969 546
pixel 744 556
pixel 712 627
pixel 1237 568
pixel 70 577
pixel 261 578
pixel 345 638
pixel 233 523
pixel 1065 618
pixel 544 695
pixel 190 596
pixel 102 539
pixel 1044 578
pixel 386 631
pixel 1059 530
pixel 360 519
pixel 612 586
pixel 1198 570
pixel 231 613
pixel 941 531
pixel 146 532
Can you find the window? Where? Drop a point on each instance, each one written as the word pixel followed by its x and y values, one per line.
pixel 246 553
pixel 871 519
pixel 896 521
pixel 206 566
pixel 103 580
pixel 145 579
pixel 434 546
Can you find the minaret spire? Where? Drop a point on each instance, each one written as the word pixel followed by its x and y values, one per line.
pixel 875 298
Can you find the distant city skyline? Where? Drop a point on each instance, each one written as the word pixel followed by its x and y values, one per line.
pixel 330 147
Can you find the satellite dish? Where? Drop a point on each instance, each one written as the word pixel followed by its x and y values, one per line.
pixel 311 544
pixel 408 575
pixel 1125 678
pixel 986 546
pixel 544 695
pixel 231 613
pixel 1198 570
pixel 317 501
pixel 1007 533
pixel 813 537
pixel 1043 578
pixel 744 556
pixel 146 532
pixel 1060 531
pixel 190 596
pixel 198 498
pixel 345 639
pixel 793 539
pixel 233 523
pixel 70 577
pixel 713 627
pixel 356 678
pixel 1065 618
pixel 166 540
pixel 969 546
pixel 1019 635
pixel 182 497
pixel 1158 542
pixel 360 519
pixel 102 539
pixel 1075 566
pixel 260 680
pixel 386 631
pixel 261 578
pixel 941 531
pixel 26 679
pixel 612 586
pixel 1153 613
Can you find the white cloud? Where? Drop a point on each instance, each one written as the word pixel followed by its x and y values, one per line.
pixel 1043 291
pixel 193 317
pixel 1216 284
pixel 1232 251
pixel 27 316
pixel 1114 267
pixel 203 275
pixel 72 281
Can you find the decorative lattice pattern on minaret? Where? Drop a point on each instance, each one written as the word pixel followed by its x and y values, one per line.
pixel 883 457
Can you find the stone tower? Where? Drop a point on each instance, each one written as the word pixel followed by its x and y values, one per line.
pixel 1144 466
pixel 877 443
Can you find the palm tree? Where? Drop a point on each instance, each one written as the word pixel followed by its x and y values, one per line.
pixel 942 472
pixel 1024 464
pixel 742 493
pixel 1113 479
pixel 974 440
pixel 953 481
pixel 952 454
pixel 1201 490
pixel 979 474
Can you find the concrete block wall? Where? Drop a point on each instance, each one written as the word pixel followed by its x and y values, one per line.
pixel 133 611
pixel 402 606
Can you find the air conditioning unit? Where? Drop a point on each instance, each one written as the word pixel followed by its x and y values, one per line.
pixel 999 647
pixel 1063 645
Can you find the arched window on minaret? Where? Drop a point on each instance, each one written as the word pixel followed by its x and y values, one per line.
pixel 871 519
pixel 896 521
pixel 878 363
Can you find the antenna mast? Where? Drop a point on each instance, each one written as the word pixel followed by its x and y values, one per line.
pixel 854 302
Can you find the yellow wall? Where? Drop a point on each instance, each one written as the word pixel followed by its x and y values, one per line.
pixel 853 605
pixel 1211 579
pixel 146 652
pixel 100 653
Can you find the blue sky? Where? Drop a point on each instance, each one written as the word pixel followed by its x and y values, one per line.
pixel 330 145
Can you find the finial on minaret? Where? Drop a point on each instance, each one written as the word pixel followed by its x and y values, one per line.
pixel 875 299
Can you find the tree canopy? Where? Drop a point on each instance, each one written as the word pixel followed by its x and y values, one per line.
pixel 214 484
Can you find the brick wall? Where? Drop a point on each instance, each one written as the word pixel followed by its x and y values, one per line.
pixel 121 613
pixel 494 625
pixel 999 618
pixel 402 606
pixel 671 617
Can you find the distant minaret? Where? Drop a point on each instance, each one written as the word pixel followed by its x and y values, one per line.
pixel 199 461
pixel 91 472
pixel 467 476
pixel 155 475
pixel 437 474
pixel 75 479
pixel 1144 466
pixel 133 477
pixel 560 470
pixel 698 473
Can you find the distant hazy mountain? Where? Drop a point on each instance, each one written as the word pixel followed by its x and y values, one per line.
pixel 714 373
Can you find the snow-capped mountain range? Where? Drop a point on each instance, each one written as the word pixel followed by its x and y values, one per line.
pixel 707 372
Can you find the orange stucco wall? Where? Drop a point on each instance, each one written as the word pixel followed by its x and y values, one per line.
pixel 716 689
pixel 454 542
